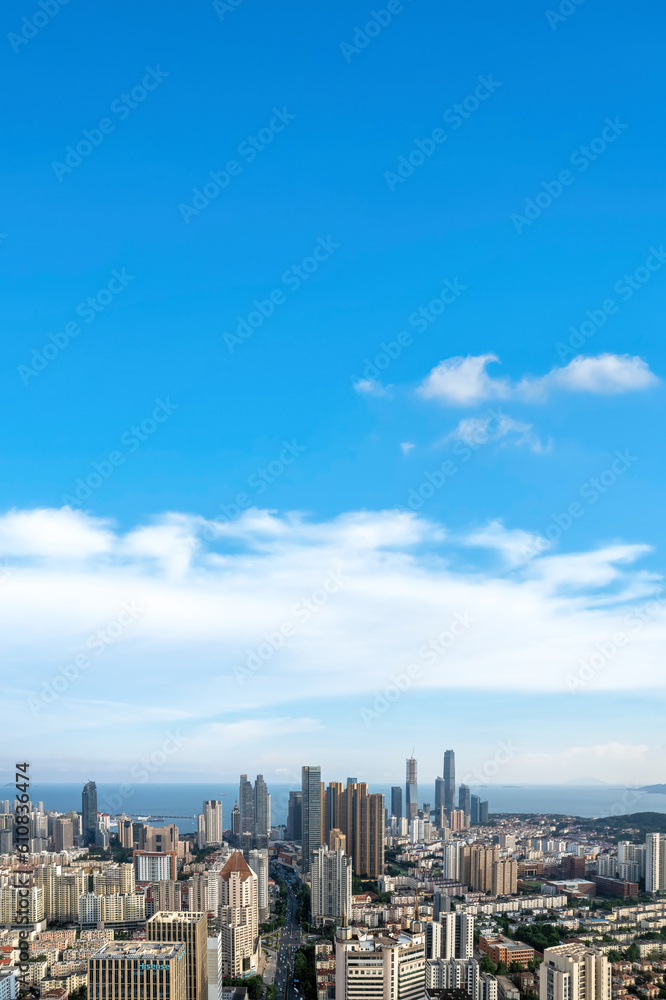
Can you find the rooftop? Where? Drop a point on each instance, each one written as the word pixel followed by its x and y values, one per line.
pixel 144 950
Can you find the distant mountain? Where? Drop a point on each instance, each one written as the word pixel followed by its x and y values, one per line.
pixel 655 789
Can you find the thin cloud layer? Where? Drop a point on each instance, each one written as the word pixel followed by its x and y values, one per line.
pixel 185 622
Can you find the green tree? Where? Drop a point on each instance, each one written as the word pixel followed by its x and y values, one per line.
pixel 487 965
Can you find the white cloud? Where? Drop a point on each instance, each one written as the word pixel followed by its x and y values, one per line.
pixel 465 382
pixel 207 607
pixel 476 431
pixel 370 387
pixel 406 447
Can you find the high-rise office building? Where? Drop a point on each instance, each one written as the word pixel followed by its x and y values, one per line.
pixel 239 918
pixel 63 834
pixel 396 801
pixel 89 812
pixel 295 816
pixel 411 789
pixel 235 820
pixel 465 799
pixel 483 814
pixel 574 972
pixel 190 929
pixel 475 803
pixel 140 969
pixel 331 878
pixel 262 813
pixel 246 803
pixel 311 813
pixel 212 814
pixel 449 780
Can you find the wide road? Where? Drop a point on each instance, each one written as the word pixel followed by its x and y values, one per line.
pixel 290 939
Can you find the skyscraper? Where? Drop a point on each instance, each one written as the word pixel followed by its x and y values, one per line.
pixel 363 815
pixel 259 864
pixel 465 799
pixel 331 876
pixel 246 802
pixel 235 820
pixel 89 812
pixel 311 813
pixel 262 813
pixel 475 803
pixel 411 789
pixel 190 929
pixel 655 862
pixel 449 780
pixel 295 816
pixel 239 918
pixel 212 814
pixel 396 801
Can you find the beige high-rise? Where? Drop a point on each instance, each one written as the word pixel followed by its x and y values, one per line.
pixel 239 918
pixel 574 972
pixel 505 878
pixel 192 930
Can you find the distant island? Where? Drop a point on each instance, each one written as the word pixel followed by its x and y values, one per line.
pixel 655 789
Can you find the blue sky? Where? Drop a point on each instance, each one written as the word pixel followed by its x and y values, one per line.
pixel 431 208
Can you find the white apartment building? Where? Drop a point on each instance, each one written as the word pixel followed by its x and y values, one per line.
pixel 380 968
pixel 259 865
pixel 452 936
pixel 655 862
pixel 215 974
pixel 574 972
pixel 212 814
pixel 454 973
pixel 331 879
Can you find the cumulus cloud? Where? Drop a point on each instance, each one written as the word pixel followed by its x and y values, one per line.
pixel 370 387
pixel 465 381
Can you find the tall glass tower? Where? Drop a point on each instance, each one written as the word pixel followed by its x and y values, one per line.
pixel 411 789
pixel 89 812
pixel 449 780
